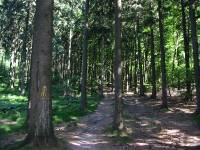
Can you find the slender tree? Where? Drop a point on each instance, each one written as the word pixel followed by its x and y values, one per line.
pixel 84 58
pixel 187 51
pixel 162 53
pixel 40 127
pixel 118 121
pixel 140 59
pixel 153 65
pixel 195 51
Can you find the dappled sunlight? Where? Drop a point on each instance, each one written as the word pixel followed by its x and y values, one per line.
pixel 185 110
pixel 86 139
pixel 82 125
pixel 177 136
pixel 7 122
pixel 141 144
pixel 161 129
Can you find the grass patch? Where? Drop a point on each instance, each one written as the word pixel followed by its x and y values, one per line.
pixel 13 109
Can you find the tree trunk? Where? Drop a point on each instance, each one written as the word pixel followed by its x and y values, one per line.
pixel 140 67
pixel 69 56
pixel 118 121
pixel 187 52
pixel 153 66
pixel 84 58
pixel 136 65
pixel 40 127
pixel 140 60
pixel 195 52
pixel 162 50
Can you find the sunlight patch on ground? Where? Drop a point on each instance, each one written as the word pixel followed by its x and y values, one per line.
pixel 86 140
pixel 133 102
pixel 82 125
pixel 176 136
pixel 59 128
pixel 7 122
pixel 141 144
pixel 185 110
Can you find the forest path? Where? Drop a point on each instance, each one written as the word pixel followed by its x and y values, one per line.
pixel 152 128
pixel 89 133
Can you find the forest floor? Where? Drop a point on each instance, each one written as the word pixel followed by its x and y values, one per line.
pixel 152 128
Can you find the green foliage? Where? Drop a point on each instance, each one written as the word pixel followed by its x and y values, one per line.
pixel 13 108
pixel 67 108
pixel 4 74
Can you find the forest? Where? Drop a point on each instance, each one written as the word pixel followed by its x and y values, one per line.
pixel 99 74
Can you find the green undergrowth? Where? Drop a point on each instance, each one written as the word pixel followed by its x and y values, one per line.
pixel 70 105
pixel 13 109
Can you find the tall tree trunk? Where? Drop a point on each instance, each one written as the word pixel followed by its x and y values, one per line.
pixel 40 127
pixel 153 66
pixel 187 52
pixel 140 67
pixel 84 58
pixel 140 60
pixel 195 52
pixel 162 50
pixel 69 56
pixel 102 69
pixel 136 65
pixel 118 121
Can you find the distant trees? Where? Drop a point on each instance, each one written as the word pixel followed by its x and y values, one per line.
pixel 40 127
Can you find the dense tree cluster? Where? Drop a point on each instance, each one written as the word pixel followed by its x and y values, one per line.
pixel 91 46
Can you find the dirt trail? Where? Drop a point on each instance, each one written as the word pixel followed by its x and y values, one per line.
pixel 90 131
pixel 152 128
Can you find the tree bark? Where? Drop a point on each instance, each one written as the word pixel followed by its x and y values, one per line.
pixel 162 50
pixel 195 52
pixel 153 66
pixel 136 65
pixel 84 58
pixel 187 52
pixel 69 56
pixel 40 126
pixel 118 121
pixel 140 67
